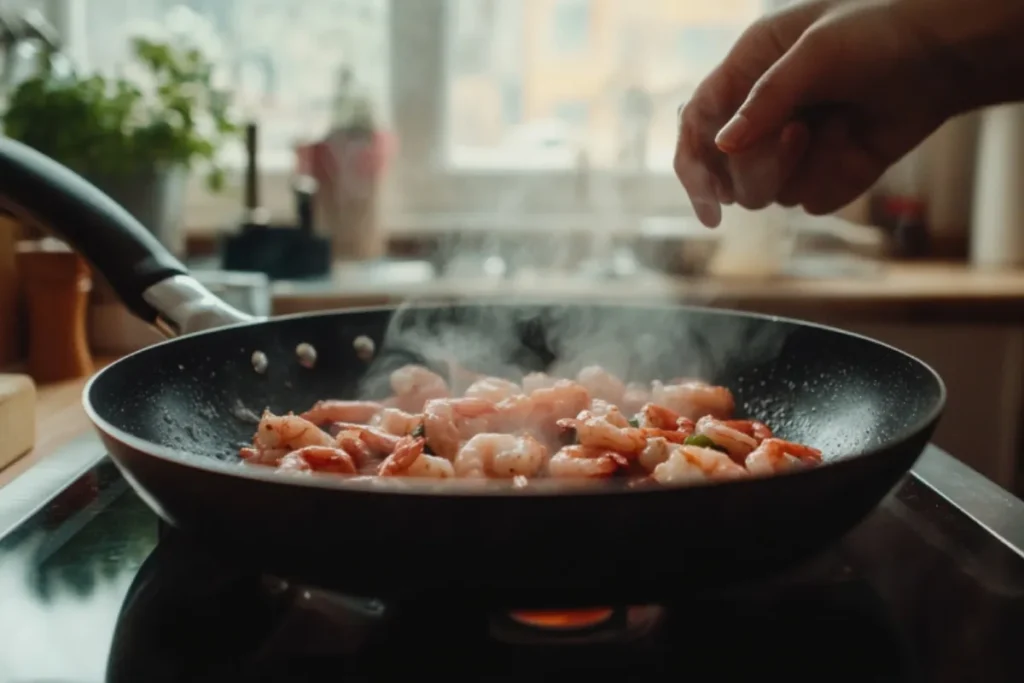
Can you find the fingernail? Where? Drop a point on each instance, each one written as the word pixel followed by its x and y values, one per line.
pixel 733 135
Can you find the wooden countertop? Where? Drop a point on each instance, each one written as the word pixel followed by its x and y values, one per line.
pixel 60 418
pixel 926 292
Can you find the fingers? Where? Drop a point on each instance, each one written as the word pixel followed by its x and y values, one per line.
pixel 759 174
pixel 694 164
pixel 792 81
pixel 835 171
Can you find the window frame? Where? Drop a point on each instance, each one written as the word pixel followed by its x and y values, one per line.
pixel 421 181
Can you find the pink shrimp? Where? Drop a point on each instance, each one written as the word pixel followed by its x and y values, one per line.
pixel 654 416
pixel 722 433
pixel 575 462
pixel 409 460
pixel 414 386
pixel 397 422
pixel 776 455
pixel 350 441
pixel 324 459
pixel 492 389
pixel 378 441
pixel 598 432
pixel 447 422
pixel 694 399
pixel 277 435
pixel 601 383
pixel 324 412
pixel 500 455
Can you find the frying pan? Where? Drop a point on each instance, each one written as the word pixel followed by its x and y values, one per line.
pixel 174 414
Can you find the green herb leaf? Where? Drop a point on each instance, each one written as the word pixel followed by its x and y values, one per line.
pixel 635 423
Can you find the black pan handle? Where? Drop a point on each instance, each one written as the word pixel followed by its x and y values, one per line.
pixel 151 282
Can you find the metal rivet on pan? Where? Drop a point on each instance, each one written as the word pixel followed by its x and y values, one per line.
pixel 306 354
pixel 364 347
pixel 259 361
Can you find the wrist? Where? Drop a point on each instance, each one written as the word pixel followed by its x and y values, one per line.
pixel 974 49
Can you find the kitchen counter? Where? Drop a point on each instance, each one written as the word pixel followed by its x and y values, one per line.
pixel 60 420
pixel 904 293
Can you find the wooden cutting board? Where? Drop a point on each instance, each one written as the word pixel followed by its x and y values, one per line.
pixel 17 417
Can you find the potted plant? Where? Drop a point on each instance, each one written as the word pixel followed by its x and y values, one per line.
pixel 135 135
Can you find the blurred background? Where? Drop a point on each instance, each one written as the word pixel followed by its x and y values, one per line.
pixel 321 154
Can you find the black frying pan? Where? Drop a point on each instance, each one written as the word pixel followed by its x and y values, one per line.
pixel 170 416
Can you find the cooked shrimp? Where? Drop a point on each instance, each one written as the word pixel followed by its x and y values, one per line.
pixel 575 462
pixel 776 455
pixel 395 421
pixel 324 459
pixel 563 399
pixel 601 383
pixel 324 412
pixel 500 455
pixel 379 441
pixel 350 441
pixel 414 385
pixel 492 389
pixel 636 396
pixel 289 432
pixel 738 444
pixel 691 463
pixel 654 453
pixel 409 460
pixel 293 462
pixel 537 380
pixel 598 432
pixel 654 416
pixel 694 399
pixel 447 422
pixel 265 456
pixel 609 411
pixel 677 469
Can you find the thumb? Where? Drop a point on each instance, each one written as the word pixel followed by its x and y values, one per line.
pixel 774 99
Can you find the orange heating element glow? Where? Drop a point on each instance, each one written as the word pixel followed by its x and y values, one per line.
pixel 564 619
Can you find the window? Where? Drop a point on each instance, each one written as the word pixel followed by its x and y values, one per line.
pixel 478 98
pixel 571 26
pixel 644 57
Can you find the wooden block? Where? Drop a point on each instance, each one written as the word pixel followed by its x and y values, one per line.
pixel 17 417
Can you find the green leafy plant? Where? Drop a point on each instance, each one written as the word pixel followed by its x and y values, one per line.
pixel 170 115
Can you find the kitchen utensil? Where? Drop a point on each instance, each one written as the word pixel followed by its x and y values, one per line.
pixel 17 417
pixel 173 416
pixel 57 283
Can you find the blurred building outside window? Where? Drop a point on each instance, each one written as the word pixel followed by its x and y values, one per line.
pixel 476 91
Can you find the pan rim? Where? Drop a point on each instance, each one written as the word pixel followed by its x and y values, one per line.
pixel 371 485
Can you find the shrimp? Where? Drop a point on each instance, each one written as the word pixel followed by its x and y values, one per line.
pixel 561 400
pixel 537 380
pixel 378 441
pixel 634 398
pixel 324 412
pixel 293 462
pixel 601 383
pixel 609 411
pixel 288 432
pixel 575 462
pixel 409 460
pixel 350 441
pixel 448 421
pixel 322 459
pixel 734 441
pixel 654 453
pixel 691 463
pixel 414 385
pixel 694 399
pixel 776 455
pixel 492 389
pixel 598 432
pixel 395 421
pixel 500 455
pixel 654 416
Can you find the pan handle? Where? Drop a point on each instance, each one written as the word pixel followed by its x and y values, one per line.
pixel 151 282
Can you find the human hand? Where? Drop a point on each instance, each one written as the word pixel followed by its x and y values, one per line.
pixel 811 106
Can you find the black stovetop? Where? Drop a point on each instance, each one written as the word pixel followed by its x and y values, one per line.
pixel 91 590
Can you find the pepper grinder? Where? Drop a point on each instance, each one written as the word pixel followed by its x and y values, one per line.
pixel 57 283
